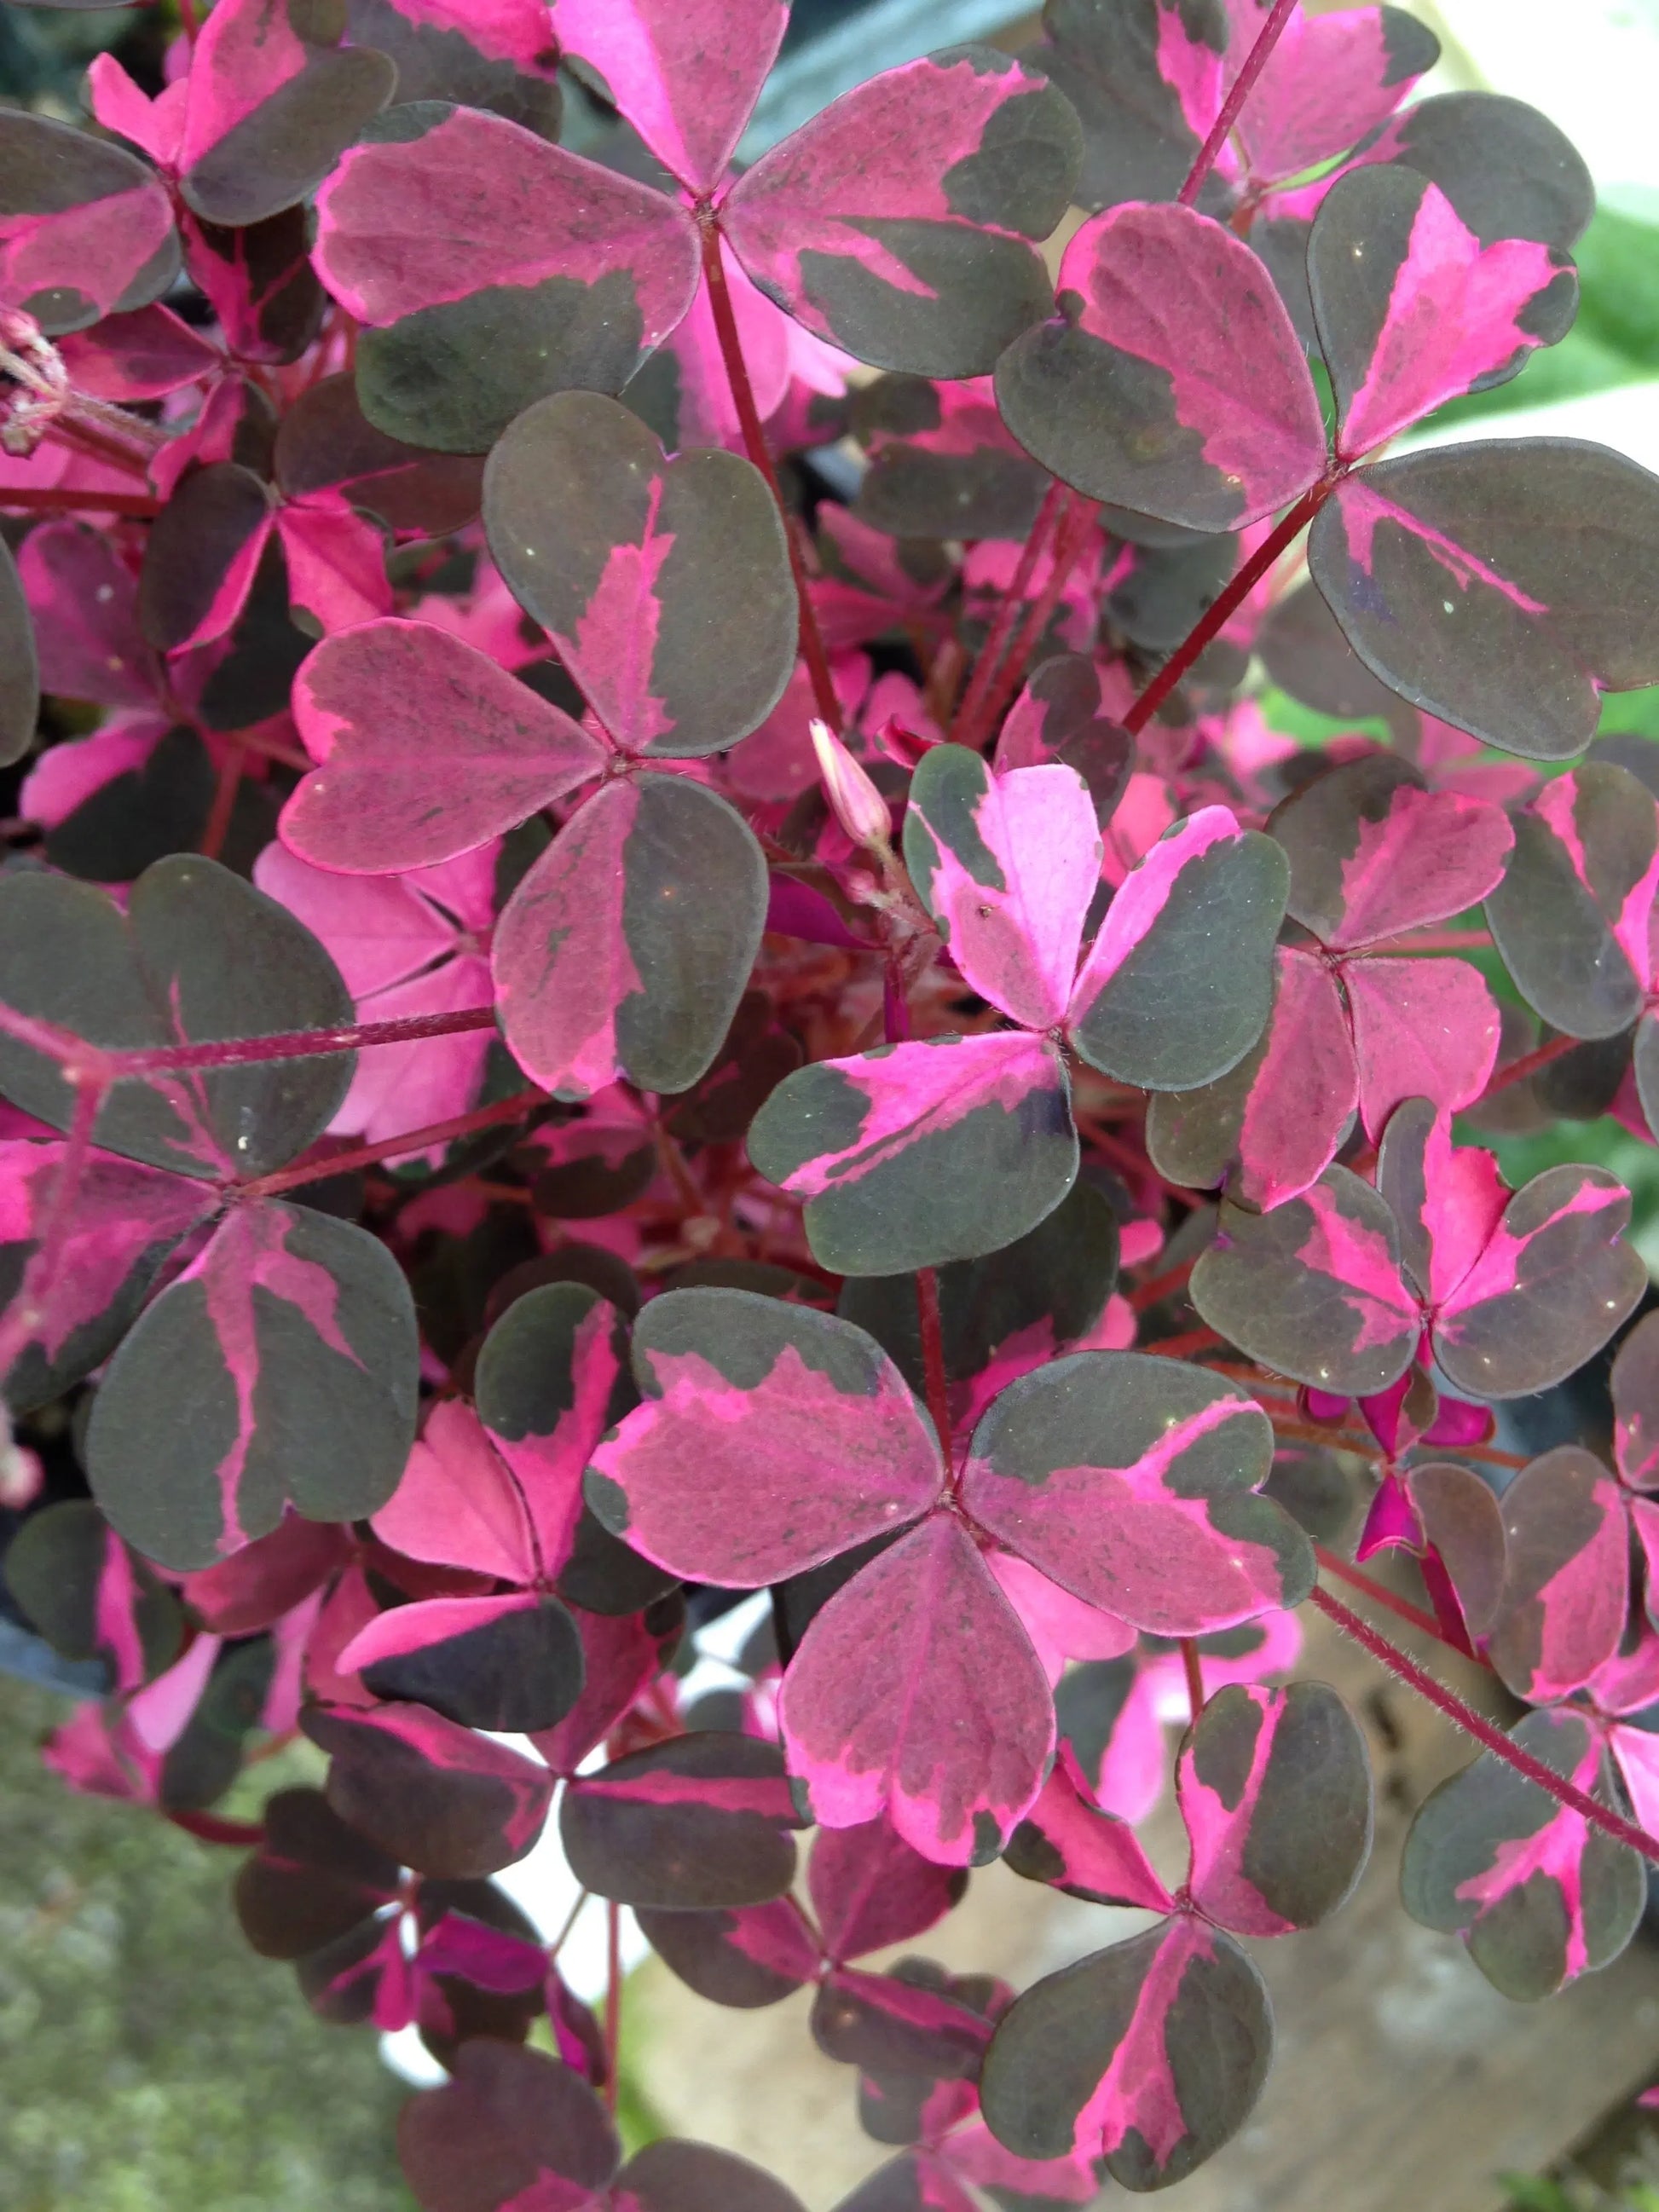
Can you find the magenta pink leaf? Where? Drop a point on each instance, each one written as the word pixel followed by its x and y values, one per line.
pixel 489 268
pixel 1006 865
pixel 83 603
pixel 806 1438
pixel 870 1888
pixel 1066 1840
pixel 1422 1029
pixel 1131 394
pixel 456 1504
pixel 622 1653
pixel 270 109
pixel 85 229
pixel 438 1796
pixel 1414 310
pixel 1129 1481
pixel 1566 1590
pixel 1275 1790
pixel 370 703
pixel 685 77
pixel 259 281
pixel 293 1337
pixel 626 948
pixel 1539 1895
pixel 899 223
pixel 1329 80
pixel 256 1586
pixel 916 1154
pixel 1374 853
pixel 747 1957
pixel 1151 2054
pixel 916 1690
pixel 665 586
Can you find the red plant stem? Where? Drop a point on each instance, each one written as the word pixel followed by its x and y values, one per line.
pixel 1070 535
pixel 1177 1348
pixel 187 20
pixel 1172 1278
pixel 57 498
pixel 933 1356
pixel 295 1044
pixel 1379 1594
pixel 613 1999
pixel 214 1828
pixel 1341 1439
pixel 389 1148
pixel 224 801
pixel 754 439
pixel 966 730
pixel 1193 1665
pixel 1491 1738
pixel 1530 1063
pixel 1431 940
pixel 1216 620
pixel 1255 61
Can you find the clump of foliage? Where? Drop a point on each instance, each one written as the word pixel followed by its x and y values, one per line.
pixel 589 1028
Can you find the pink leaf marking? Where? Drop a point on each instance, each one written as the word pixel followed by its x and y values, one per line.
pixel 425 749
pixel 1455 318
pixel 916 1691
pixel 1018 946
pixel 1357 1260
pixel 685 73
pixel 1328 80
pixel 1304 1090
pixel 1553 1852
pixel 1142 898
pixel 614 646
pixel 1137 2095
pixel 549 1468
pixel 456 1506
pixel 406 1628
pixel 1432 853
pixel 1363 509
pixel 1101 1856
pixel 1422 1029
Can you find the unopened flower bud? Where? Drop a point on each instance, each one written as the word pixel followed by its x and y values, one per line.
pixel 853 799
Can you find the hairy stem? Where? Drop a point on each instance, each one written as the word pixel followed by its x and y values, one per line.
pixel 390 1148
pixel 1233 597
pixel 933 1356
pixel 1491 1738
pixel 754 439
pixel 295 1044
pixel 1255 61
pixel 1402 1609
pixel 966 730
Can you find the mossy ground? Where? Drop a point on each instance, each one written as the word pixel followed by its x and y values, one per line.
pixel 149 2061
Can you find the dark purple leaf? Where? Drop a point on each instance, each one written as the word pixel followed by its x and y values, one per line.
pixel 749 1956
pixel 1496 585
pixel 1152 2054
pixel 503 1664
pixel 1634 1382
pixel 80 1586
pixel 888 2024
pixel 512 2131
pixel 1571 916
pixel 1566 1593
pixel 670 2176
pixel 19 677
pixel 1314 1289
pixel 1462 1525
pixel 699 1823
pixel 292 1340
pixel 914 1155
pixel 665 586
pixel 271 108
pixel 901 223
pixel 1275 1790
pixel 260 283
pixel 325 448
pixel 310 1880
pixel 198 956
pixel 1132 394
pixel 1539 1896
pixel 627 947
pixel 622 1653
pixel 435 1795
pixel 201 555
pixel 489 268
pixel 501 57
pixel 1129 1481
pixel 941 463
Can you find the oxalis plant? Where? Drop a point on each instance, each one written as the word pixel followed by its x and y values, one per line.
pixel 589 1028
